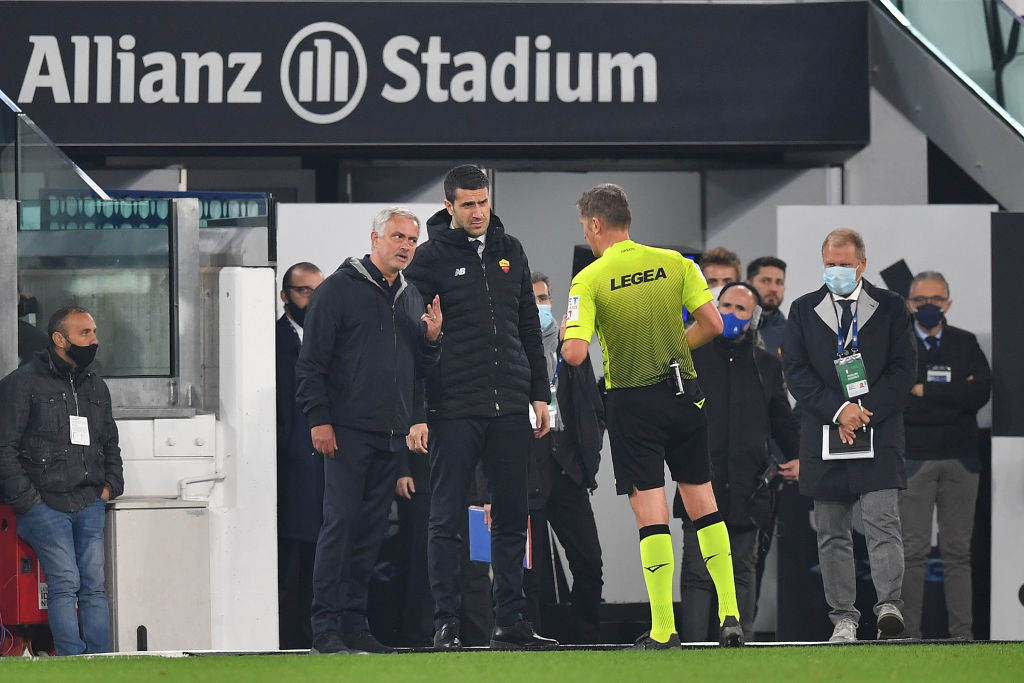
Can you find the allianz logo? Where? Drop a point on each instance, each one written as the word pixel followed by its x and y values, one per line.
pixel 323 73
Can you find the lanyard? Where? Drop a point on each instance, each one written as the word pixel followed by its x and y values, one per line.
pixel 841 342
pixel 558 369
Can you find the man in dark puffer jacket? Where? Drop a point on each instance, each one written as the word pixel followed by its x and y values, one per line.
pixel 59 464
pixel 492 368
pixel 365 339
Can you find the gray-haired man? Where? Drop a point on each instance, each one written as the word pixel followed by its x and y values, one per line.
pixel 953 383
pixel 365 338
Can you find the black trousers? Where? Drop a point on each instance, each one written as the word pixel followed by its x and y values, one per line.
pixel 359 483
pixel 476 615
pixel 503 444
pixel 571 517
pixel 295 592
pixel 698 598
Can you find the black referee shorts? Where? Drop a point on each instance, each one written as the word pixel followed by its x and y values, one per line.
pixel 649 427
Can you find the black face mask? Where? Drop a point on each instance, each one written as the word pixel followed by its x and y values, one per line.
pixel 295 313
pixel 82 355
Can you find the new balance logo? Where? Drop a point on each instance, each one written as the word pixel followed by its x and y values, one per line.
pixel 655 567
pixel 460 271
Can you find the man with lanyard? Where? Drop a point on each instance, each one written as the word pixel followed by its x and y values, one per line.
pixel 850 360
pixel 633 296
pixel 953 382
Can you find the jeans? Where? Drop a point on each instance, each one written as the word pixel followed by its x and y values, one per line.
pixel 70 549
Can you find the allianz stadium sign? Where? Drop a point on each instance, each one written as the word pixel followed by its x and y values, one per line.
pixel 180 73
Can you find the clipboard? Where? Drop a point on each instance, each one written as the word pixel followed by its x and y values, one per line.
pixel 832 447
pixel 480 538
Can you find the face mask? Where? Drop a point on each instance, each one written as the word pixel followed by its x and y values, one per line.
pixel 297 314
pixel 715 291
pixel 929 315
pixel 733 327
pixel 841 280
pixel 82 355
pixel 546 319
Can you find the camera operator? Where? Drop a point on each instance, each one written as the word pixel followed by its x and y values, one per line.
pixel 746 406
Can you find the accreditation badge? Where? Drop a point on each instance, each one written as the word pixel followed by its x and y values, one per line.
pixel 79 430
pixel 852 375
pixel 939 373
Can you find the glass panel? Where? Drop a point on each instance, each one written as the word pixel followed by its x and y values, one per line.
pixel 8 135
pixel 981 37
pixel 92 253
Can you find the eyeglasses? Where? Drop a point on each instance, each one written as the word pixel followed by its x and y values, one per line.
pixel 933 300
pixel 302 290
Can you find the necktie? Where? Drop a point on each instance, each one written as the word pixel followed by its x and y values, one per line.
pixel 478 245
pixel 847 318
pixel 933 349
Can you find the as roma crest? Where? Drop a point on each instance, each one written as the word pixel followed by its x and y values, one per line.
pixel 504 264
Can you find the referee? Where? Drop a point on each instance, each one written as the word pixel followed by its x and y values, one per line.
pixel 633 296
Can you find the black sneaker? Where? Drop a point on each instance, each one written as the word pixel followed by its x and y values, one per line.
pixel 645 642
pixel 363 641
pixel 520 636
pixel 329 643
pixel 447 637
pixel 731 634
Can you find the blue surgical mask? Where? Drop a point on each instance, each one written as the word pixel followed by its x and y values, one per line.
pixel 546 319
pixel 732 326
pixel 841 280
pixel 929 315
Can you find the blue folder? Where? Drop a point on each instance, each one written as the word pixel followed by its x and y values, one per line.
pixel 480 538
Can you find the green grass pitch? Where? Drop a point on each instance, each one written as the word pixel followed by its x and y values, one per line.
pixel 875 663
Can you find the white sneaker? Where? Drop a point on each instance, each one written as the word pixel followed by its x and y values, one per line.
pixel 845 632
pixel 890 621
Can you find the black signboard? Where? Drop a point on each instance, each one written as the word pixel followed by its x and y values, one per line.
pixel 339 73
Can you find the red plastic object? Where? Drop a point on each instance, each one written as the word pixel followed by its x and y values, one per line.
pixel 22 584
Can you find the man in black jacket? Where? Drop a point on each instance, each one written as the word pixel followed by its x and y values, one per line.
pixel 300 485
pixel 746 406
pixel 953 383
pixel 478 398
pixel 59 464
pixel 563 473
pixel 849 358
pixel 365 340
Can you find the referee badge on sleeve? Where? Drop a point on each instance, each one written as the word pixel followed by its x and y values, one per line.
pixel 573 309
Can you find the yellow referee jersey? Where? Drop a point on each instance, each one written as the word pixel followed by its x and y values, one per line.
pixel 633 298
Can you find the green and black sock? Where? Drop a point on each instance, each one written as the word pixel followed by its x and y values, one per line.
pixel 658 559
pixel 714 547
